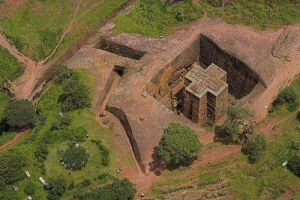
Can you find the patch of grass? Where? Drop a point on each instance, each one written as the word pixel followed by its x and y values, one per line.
pixel 155 18
pixel 208 179
pixel 10 68
pixel 4 100
pixel 36 26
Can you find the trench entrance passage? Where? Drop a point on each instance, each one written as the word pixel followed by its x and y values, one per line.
pixel 240 78
pixel 120 50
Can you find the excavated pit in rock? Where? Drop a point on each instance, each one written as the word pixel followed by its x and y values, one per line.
pixel 240 77
pixel 119 49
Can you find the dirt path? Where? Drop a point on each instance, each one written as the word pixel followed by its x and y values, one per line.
pixel 16 139
pixel 6 44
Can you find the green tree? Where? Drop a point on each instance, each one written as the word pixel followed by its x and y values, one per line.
pixel 20 114
pixel 179 145
pixel 294 164
pixel 231 131
pixel 56 187
pixel 118 190
pixel 75 95
pixel 12 164
pixel 254 147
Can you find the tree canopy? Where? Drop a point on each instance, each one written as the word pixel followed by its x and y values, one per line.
pixel 12 164
pixel 20 114
pixel 118 190
pixel 75 94
pixel 179 145
pixel 255 147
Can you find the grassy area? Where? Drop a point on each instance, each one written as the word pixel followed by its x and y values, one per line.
pixel 10 68
pixel 94 170
pixel 234 176
pixel 155 18
pixel 36 26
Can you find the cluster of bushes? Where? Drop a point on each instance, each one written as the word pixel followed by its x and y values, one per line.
pixel 237 129
pixel 179 145
pixel 104 152
pixel 119 189
pixel 41 153
pixel 74 157
pixel 287 97
pixel 12 165
pixel 56 187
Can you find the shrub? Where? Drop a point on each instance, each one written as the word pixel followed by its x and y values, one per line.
pixel 61 123
pixel 298 116
pixel 254 147
pixel 179 145
pixel 231 131
pixel 104 152
pixel 287 97
pixel 85 183
pixel 118 190
pixel 20 114
pixel 237 113
pixel 56 187
pixel 30 188
pixel 41 152
pixel 75 157
pixel 294 164
pixel 12 164
pixel 75 95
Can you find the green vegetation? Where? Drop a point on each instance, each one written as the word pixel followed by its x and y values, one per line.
pixel 74 157
pixel 104 152
pixel 235 177
pixel 53 131
pixel 235 129
pixel 20 114
pixel 287 97
pixel 118 190
pixel 254 147
pixel 179 145
pixel 10 68
pixel 36 26
pixel 294 164
pixel 237 113
pixel 56 187
pixel 12 164
pixel 75 94
pixel 155 17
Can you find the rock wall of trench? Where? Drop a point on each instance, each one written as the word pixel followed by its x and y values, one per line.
pixel 240 77
pixel 118 113
pixel 159 84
